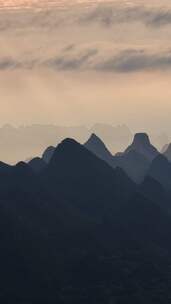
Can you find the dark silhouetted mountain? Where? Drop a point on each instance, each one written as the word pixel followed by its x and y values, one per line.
pixel 154 191
pixel 21 176
pixel 82 232
pixel 77 174
pixel 133 163
pixel 48 153
pixel 160 169
pixel 167 152
pixel 4 168
pixel 17 179
pixel 37 164
pixel 96 145
pixel 143 219
pixel 142 145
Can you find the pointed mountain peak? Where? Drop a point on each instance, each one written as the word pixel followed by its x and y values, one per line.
pixel 94 138
pixel 141 138
pixel 97 146
pixel 72 161
pixel 141 144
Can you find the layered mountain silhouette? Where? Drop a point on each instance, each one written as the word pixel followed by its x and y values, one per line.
pixel 87 178
pixel 160 169
pixel 96 145
pixel 142 145
pixel 78 229
pixel 29 141
pixel 133 161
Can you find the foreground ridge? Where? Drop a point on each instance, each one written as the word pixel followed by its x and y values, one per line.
pixel 75 223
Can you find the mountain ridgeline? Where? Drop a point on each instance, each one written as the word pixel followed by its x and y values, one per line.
pixel 81 225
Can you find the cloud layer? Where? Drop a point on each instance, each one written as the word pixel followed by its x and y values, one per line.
pixel 84 58
pixel 109 15
pixel 111 36
pixel 104 13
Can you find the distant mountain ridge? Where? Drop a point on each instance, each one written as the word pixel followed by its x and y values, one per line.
pixel 28 142
pixel 134 161
pixel 142 145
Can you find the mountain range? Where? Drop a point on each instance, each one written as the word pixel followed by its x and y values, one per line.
pixel 76 228
pixel 30 141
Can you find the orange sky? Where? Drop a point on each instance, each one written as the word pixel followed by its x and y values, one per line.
pixel 108 62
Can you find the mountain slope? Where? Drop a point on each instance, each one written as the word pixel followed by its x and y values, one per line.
pixel 37 164
pixel 96 146
pixel 77 174
pixel 160 169
pixel 133 163
pixel 48 153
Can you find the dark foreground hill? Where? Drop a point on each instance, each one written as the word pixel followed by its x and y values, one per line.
pixel 79 231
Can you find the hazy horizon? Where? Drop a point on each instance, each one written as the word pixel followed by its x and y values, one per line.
pixel 27 141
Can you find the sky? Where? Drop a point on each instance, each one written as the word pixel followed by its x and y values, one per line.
pixel 79 62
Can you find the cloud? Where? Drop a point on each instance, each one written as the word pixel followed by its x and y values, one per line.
pixel 96 58
pixel 72 62
pixel 136 60
pixel 109 15
pixel 8 63
pixel 122 61
pixel 105 14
